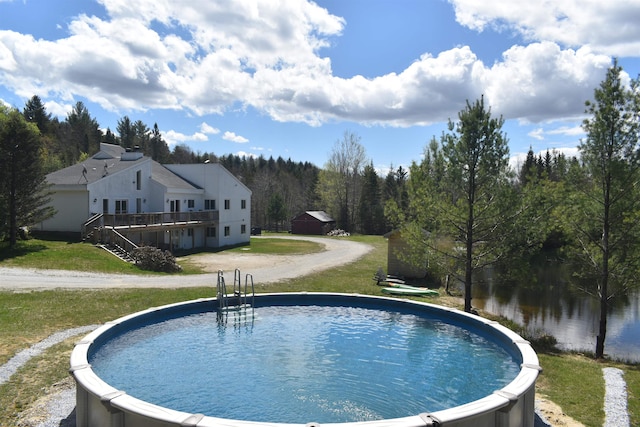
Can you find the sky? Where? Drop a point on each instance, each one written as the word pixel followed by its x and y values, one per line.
pixel 289 78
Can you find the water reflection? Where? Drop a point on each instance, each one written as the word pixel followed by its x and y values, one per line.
pixel 542 298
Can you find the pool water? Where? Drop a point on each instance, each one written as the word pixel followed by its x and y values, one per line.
pixel 326 364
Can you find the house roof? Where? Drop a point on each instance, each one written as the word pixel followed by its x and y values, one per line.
pixel 110 159
pixel 168 179
pixel 321 216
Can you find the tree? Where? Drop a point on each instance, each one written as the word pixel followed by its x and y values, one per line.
pixel 371 210
pixel 23 190
pixel 142 136
pixel 276 210
pixel 158 148
pixel 339 181
pixel 83 133
pixel 126 131
pixel 35 112
pixel 606 204
pixel 460 195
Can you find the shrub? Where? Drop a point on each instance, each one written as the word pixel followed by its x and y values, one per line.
pixel 154 259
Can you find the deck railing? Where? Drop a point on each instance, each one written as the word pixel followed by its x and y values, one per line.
pixel 158 218
pixel 100 221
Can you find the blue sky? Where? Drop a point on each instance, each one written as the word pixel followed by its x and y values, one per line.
pixel 259 77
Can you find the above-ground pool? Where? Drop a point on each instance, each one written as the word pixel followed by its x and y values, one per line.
pixel 304 359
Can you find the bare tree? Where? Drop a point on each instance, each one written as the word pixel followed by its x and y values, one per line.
pixel 340 180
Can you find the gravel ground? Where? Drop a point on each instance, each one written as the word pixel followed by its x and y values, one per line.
pixel 56 408
pixel 615 398
pixel 23 357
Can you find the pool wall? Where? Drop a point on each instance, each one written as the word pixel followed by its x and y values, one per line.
pixel 100 405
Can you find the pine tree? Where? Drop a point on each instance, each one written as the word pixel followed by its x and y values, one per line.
pixel 460 196
pixel 23 190
pixel 604 215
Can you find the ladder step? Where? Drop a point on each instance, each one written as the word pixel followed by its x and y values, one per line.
pixel 236 307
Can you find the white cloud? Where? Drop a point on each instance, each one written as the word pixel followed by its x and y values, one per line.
pixel 231 136
pixel 567 131
pixel 537 133
pixel 246 154
pixel 205 128
pixel 57 109
pixel 541 81
pixel 607 27
pixel 209 57
pixel 173 137
pixel 540 133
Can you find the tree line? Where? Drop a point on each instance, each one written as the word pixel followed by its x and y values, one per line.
pixel 281 188
pixel 467 209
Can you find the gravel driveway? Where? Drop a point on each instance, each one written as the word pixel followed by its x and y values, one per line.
pixel 264 268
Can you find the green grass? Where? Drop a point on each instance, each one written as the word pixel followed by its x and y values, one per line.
pixel 62 255
pixel 576 384
pixel 571 381
pixel 271 246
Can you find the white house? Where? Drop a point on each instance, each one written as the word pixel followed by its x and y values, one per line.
pixel 168 206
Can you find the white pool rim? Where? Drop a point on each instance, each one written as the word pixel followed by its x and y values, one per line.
pixel 98 404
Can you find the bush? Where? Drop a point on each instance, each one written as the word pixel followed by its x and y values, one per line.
pixel 154 259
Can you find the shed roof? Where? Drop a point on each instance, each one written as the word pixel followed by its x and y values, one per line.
pixel 320 216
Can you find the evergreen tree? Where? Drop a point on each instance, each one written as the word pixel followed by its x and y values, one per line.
pixel 142 137
pixel 461 195
pixel 110 138
pixel 83 132
pixel 276 210
pixel 126 132
pixel 23 190
pixel 158 148
pixel 528 169
pixel 35 112
pixel 606 201
pixel 371 209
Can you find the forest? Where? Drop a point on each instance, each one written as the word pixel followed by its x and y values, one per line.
pixel 281 187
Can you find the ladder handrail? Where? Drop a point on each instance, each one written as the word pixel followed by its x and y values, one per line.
pixel 221 291
pixel 237 289
pixel 253 289
pixel 238 293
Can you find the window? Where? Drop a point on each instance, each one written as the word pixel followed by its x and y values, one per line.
pixel 191 204
pixel 190 232
pixel 211 232
pixel 121 207
pixel 138 180
pixel 227 231
pixel 243 204
pixel 243 229
pixel 210 205
pixel 227 204
pixel 105 205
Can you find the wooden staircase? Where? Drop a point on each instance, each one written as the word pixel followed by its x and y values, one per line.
pixel 117 251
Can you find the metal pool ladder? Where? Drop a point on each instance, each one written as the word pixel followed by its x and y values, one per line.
pixel 240 298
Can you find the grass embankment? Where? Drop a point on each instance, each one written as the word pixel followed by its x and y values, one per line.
pixel 572 381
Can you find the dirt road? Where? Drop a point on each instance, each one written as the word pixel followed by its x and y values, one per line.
pixel 264 268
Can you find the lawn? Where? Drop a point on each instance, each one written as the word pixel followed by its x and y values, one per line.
pixel 572 381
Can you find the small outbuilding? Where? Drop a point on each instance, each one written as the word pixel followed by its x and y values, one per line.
pixel 396 266
pixel 312 222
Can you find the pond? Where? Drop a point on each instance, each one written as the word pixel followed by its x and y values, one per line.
pixel 545 300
